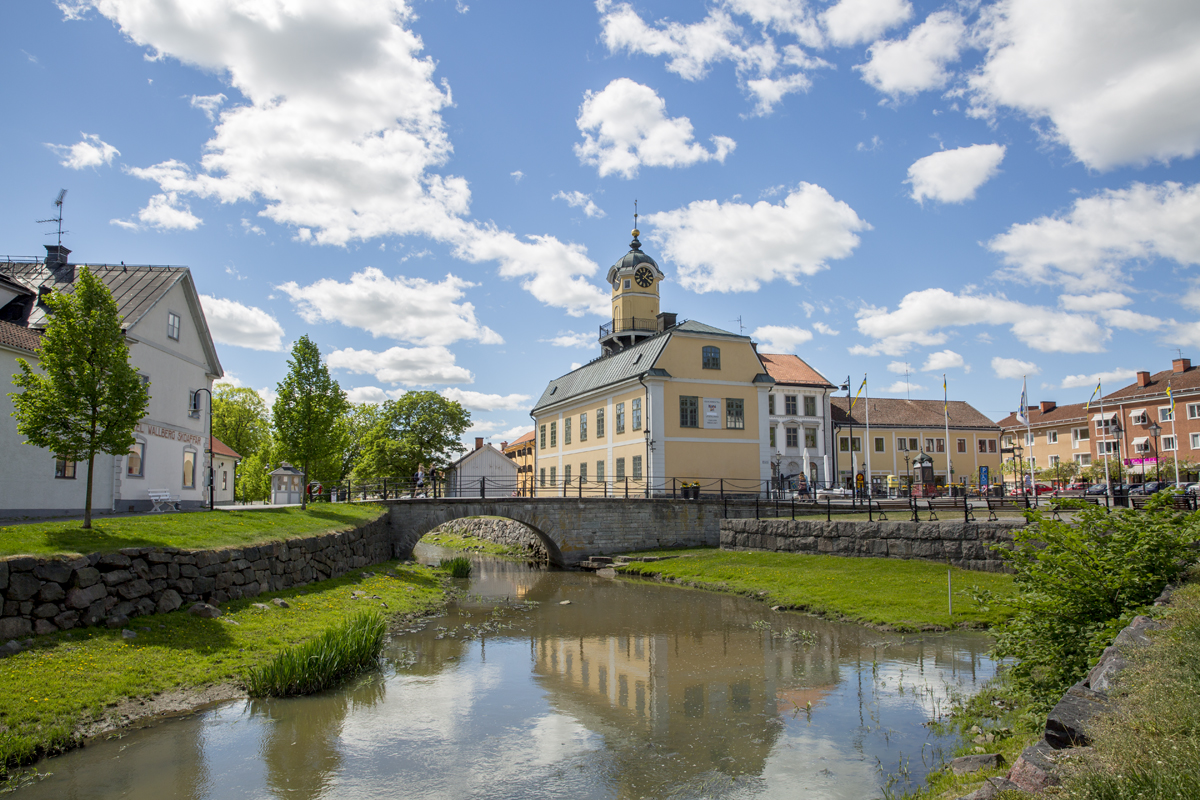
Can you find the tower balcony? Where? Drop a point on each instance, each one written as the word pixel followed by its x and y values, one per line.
pixel 629 324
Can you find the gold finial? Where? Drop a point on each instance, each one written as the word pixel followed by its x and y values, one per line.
pixel 636 232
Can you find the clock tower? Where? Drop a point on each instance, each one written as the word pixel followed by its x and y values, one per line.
pixel 635 311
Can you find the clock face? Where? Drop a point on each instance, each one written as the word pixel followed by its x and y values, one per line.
pixel 644 277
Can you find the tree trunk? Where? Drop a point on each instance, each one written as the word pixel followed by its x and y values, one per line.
pixel 87 502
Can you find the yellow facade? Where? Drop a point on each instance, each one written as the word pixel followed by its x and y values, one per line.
pixel 893 451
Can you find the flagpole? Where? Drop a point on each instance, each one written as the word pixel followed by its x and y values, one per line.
pixel 1029 443
pixel 867 442
pixel 946 415
pixel 1173 436
pixel 1107 479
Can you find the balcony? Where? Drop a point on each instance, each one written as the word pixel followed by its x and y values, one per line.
pixel 649 325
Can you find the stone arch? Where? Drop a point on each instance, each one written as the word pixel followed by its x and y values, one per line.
pixel 413 521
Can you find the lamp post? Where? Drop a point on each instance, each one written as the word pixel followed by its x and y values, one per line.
pixel 211 455
pixel 777 463
pixel 649 458
pixel 1155 429
pixel 908 471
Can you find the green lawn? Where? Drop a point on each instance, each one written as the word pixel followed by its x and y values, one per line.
pixel 893 593
pixel 68 678
pixel 199 529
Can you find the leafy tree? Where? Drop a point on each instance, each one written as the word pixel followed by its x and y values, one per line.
pixel 354 428
pixel 419 428
pixel 307 410
pixel 254 473
pixel 240 420
pixel 1061 473
pixel 86 398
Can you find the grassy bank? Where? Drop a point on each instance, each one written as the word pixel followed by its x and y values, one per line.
pixel 66 680
pixel 891 593
pixel 458 539
pixel 184 530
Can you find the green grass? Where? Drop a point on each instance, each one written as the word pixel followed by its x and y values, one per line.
pixel 458 539
pixel 343 650
pixel 184 530
pixel 891 593
pixel 69 678
pixel 459 567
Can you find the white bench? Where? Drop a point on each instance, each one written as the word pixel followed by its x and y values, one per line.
pixel 163 501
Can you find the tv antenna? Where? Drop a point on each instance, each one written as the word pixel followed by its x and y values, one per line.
pixel 58 203
pixel 741 327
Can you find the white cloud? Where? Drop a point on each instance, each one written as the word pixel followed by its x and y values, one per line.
pixel 89 151
pixel 821 327
pixel 1186 334
pixel 898 367
pixel 921 315
pixel 229 379
pixel 416 366
pixel 1013 367
pixel 372 394
pixel 1117 376
pixel 1089 245
pixel 625 126
pixel 918 62
pixel 581 200
pixel 478 401
pixel 735 247
pixel 240 325
pixel 572 339
pixel 1101 301
pixel 268 395
pixel 851 22
pixel 512 434
pixel 942 360
pixel 250 227
pixel 901 387
pixel 1118 81
pixel 952 176
pixel 208 103
pixel 405 309
pixel 165 212
pixel 781 338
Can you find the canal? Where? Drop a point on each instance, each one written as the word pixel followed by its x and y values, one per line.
pixel 550 684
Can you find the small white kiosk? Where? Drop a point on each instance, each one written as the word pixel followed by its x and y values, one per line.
pixel 286 485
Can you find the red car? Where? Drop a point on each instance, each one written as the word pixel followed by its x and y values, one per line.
pixel 1038 489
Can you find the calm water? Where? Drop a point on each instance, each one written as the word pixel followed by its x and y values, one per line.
pixel 633 690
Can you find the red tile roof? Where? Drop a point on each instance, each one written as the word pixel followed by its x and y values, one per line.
pixel 1056 416
pixel 791 370
pixel 526 438
pixel 221 449
pixel 1188 379
pixel 900 413
pixel 19 337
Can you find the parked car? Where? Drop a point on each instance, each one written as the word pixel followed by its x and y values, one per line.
pixel 1038 489
pixel 1102 489
pixel 1077 486
pixel 1150 487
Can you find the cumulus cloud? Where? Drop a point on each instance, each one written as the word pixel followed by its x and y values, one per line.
pixel 851 22
pixel 1101 301
pixel 1013 367
pixel 917 62
pixel 1113 376
pixel 952 176
pixel 416 366
pixel 780 338
pixel 1091 244
pixel 231 322
pixel 921 316
pixel 736 247
pixel 942 360
pixel 581 200
pixel 372 394
pixel 898 367
pixel 625 126
pixel 209 104
pixel 406 309
pixel 572 339
pixel 901 387
pixel 821 327
pixel 478 401
pixel 1118 82
pixel 165 212
pixel 89 151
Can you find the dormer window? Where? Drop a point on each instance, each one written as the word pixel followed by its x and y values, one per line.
pixel 173 325
pixel 626 284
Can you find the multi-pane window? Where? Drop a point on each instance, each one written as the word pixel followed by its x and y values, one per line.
pixel 878 444
pixel 1142 446
pixel 735 413
pixel 542 437
pixel 1029 439
pixel 637 467
pixel 137 455
pixel 770 404
pixel 689 411
pixel 1051 437
pixel 1110 447
pixel 902 444
pixel 189 469
pixel 912 444
pixel 810 406
pixel 567 430
pixel 810 437
pixel 982 445
pixel 929 445
pixel 620 468
pixel 1139 417
pixel 554 476
pixel 567 475
pixel 1105 426
pixel 554 434
pixel 637 413
pixel 620 418
pixel 789 404
pixel 542 477
pixel 712 357
pixel 583 427
pixel 962 445
pixel 1193 410
pixel 224 480
pixel 845 445
pixel 599 423
pixel 173 325
pixel 771 433
pixel 193 404
pixel 1164 414
pixel 1053 461
pixel 1079 435
pixel 793 437
pixel 583 472
pixel 941 445
pixel 600 471
pixel 1168 443
pixel 64 468
pixel 1083 459
pixel 1196 441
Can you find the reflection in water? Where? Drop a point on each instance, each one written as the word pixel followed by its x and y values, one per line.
pixel 631 690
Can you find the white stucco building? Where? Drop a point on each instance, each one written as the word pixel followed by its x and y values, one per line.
pixel 171 347
pixel 498 471
pixel 800 436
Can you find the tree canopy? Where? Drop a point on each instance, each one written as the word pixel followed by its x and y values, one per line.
pixel 240 420
pixel 307 410
pixel 418 428
pixel 84 398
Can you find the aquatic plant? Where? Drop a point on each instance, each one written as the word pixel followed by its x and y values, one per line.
pixel 320 663
pixel 458 567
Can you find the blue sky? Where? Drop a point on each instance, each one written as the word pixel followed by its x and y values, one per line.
pixel 433 191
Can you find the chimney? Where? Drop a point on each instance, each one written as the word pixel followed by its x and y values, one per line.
pixel 1143 378
pixel 1181 364
pixel 504 445
pixel 56 260
pixel 1047 406
pixel 478 442
pixel 666 320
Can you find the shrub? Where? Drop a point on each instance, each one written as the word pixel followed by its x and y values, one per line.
pixel 458 567
pixel 339 652
pixel 1079 583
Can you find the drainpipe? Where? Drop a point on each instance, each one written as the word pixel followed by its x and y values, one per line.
pixel 533 469
pixel 646 427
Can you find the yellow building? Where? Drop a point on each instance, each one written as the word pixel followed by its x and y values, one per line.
pixel 521 451
pixel 665 403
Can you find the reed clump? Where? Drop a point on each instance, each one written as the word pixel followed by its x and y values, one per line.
pixel 458 567
pixel 339 652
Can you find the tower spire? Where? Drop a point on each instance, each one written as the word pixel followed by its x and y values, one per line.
pixel 635 244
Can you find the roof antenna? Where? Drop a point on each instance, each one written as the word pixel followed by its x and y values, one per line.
pixel 58 203
pixel 907 383
pixel 741 327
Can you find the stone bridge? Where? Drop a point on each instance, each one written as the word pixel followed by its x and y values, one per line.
pixel 571 529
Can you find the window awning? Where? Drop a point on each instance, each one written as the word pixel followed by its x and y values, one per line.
pixel 1141 440
pixel 1137 412
pixel 1105 415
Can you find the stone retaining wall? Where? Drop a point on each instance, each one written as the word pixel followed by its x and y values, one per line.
pixel 964 544
pixel 48 594
pixel 507 532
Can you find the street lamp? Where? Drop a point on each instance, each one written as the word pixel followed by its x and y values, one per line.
pixel 649 459
pixel 777 463
pixel 211 455
pixel 908 470
pixel 1155 429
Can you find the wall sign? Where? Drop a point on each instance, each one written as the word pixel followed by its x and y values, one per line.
pixel 712 412
pixel 168 433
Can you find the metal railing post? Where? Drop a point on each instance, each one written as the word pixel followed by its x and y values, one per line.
pixel 756 506
pixel 722 488
pixel 672 488
pixel 581 488
pixel 385 488
pixel 869 510
pixel 828 510
pixel 793 508
pixel 482 487
pixel 626 487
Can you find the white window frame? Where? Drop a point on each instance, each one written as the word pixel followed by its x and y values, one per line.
pixel 1053 460
pixel 1193 410
pixel 1168 444
pixel 1076 437
pixel 1051 437
pixel 1164 413
pixel 1083 459
pixel 1196 441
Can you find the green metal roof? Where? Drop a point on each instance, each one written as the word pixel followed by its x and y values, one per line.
pixel 632 362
